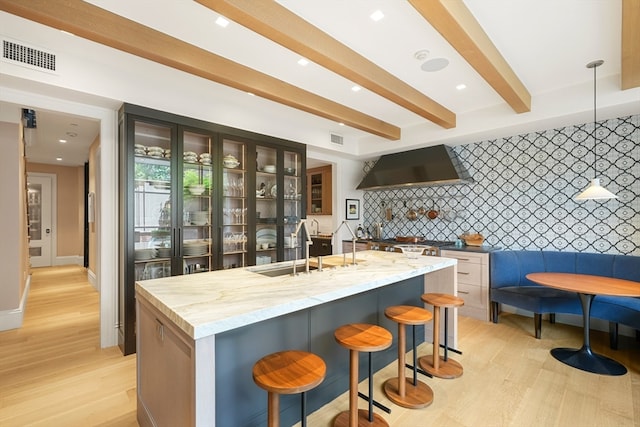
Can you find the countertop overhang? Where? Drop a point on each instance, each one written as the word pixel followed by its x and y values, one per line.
pixel 205 304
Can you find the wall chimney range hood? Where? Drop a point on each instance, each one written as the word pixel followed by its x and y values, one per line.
pixel 429 166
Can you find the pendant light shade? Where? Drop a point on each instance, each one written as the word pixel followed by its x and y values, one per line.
pixel 595 191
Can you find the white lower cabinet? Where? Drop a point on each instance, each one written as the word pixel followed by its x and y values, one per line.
pixel 473 282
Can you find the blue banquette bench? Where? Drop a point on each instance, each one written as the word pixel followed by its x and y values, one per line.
pixel 508 285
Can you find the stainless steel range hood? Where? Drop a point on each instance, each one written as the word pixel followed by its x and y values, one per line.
pixel 437 165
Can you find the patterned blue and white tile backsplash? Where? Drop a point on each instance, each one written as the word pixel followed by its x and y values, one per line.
pixel 523 195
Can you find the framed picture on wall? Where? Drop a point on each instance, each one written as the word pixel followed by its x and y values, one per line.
pixel 353 209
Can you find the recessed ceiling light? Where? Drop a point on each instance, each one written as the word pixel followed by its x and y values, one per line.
pixel 421 55
pixel 222 21
pixel 303 61
pixel 59 159
pixel 251 94
pixel 62 141
pixel 356 88
pixel 435 64
pixel 72 134
pixel 377 15
pixel 461 86
pixel 341 124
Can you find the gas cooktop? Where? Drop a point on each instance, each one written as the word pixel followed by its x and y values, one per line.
pixel 436 243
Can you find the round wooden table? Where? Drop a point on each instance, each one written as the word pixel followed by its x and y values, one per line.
pixel 587 287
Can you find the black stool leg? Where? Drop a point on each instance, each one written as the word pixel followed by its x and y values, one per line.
pixel 370 390
pixel 370 397
pixel 415 359
pixel 446 330
pixel 303 412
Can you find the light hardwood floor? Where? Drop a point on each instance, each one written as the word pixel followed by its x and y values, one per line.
pixel 53 373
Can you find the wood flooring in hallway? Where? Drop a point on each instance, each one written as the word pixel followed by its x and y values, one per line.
pixel 52 370
pixel 54 374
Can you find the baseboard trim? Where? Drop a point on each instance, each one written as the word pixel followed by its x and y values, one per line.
pixel 12 319
pixel 91 277
pixel 69 260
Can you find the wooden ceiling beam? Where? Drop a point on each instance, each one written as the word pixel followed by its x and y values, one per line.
pixel 458 26
pixel 630 67
pixel 284 27
pixel 93 23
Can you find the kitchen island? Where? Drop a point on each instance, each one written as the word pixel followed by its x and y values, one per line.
pixel 199 335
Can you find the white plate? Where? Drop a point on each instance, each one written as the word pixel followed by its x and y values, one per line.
pixel 274 191
pixel 266 232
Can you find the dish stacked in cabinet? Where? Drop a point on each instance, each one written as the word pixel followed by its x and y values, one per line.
pixel 234 204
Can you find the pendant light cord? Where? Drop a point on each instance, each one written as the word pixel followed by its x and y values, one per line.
pixel 595 134
pixel 594 65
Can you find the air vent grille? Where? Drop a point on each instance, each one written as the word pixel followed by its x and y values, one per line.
pixel 337 139
pixel 26 55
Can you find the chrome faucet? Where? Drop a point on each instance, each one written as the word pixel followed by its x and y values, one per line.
pixel 353 240
pixel 294 237
pixel 317 225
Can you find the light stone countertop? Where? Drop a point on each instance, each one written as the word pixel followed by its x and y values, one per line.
pixel 204 304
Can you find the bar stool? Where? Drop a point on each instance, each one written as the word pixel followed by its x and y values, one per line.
pixel 288 372
pixel 441 367
pixel 361 337
pixel 401 391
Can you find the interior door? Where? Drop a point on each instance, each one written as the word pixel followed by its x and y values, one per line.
pixel 40 210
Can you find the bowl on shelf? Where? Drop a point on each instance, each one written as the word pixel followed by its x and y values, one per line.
pixel 230 161
pixel 290 171
pixel 269 168
pixel 144 254
pixel 411 251
pixel 163 252
pixel 196 189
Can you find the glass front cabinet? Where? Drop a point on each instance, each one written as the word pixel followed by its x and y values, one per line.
pixel 197 197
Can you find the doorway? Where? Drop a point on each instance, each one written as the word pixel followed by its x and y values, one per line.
pixel 41 199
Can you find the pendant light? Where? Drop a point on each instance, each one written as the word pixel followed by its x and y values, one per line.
pixel 595 191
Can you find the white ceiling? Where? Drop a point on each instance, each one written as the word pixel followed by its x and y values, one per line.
pixel 546 42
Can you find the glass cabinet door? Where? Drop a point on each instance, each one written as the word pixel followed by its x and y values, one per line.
pixel 197 182
pixel 266 205
pixel 152 201
pixel 292 194
pixel 234 205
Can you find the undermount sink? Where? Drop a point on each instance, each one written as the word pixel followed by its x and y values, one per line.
pixel 280 270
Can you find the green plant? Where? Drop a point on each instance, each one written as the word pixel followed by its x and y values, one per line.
pixel 151 172
pixel 190 177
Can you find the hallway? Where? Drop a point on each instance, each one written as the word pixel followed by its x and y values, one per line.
pixel 52 370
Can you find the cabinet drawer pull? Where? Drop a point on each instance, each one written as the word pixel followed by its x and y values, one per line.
pixel 463 259
pixel 463 292
pixel 463 272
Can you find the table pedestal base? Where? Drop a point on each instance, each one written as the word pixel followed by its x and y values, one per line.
pixel 586 360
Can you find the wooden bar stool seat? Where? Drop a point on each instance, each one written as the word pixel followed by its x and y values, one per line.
pixel 287 372
pixel 359 337
pixel 400 390
pixel 436 365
